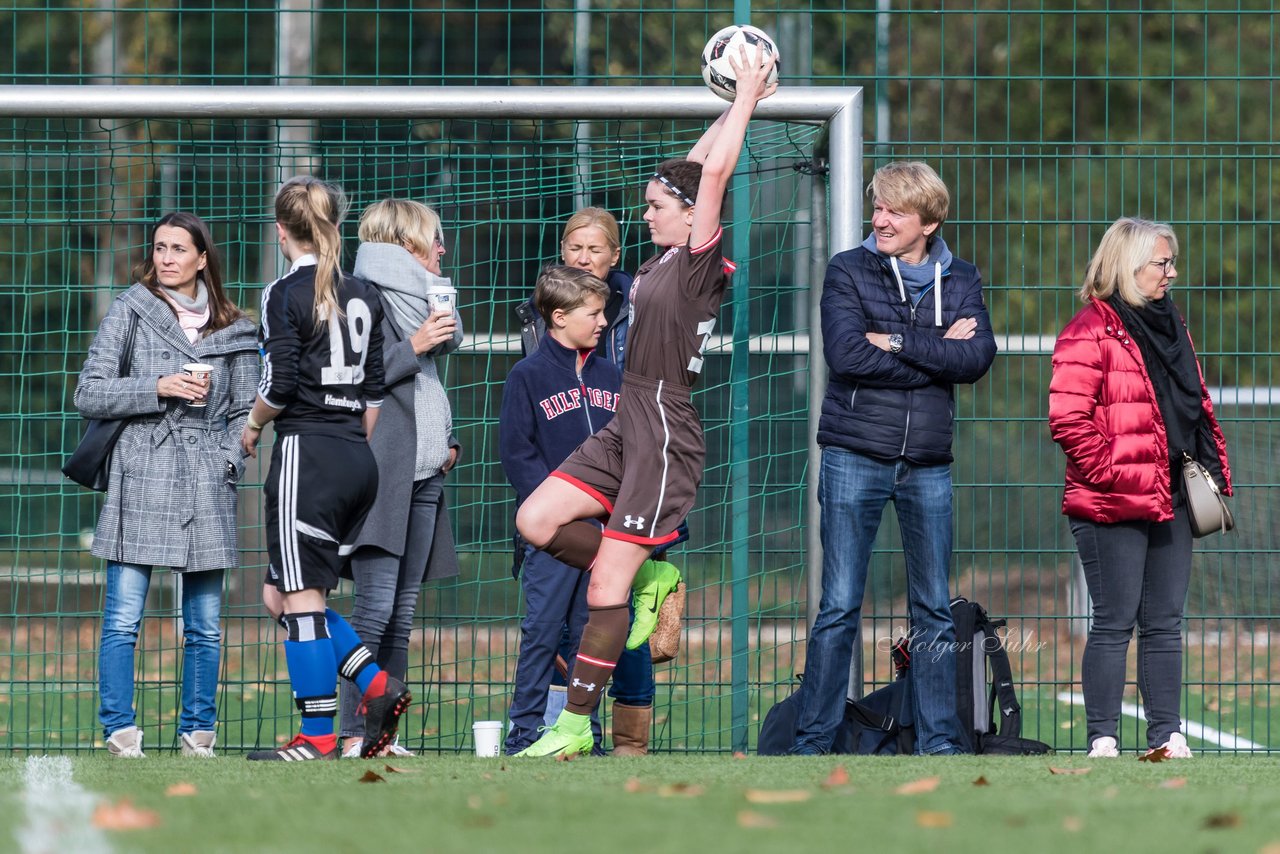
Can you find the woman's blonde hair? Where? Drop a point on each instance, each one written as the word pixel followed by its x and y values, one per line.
pixel 403 222
pixel 911 186
pixel 1123 251
pixel 600 218
pixel 310 210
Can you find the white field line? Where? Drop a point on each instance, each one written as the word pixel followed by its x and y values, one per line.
pixel 58 811
pixel 1191 728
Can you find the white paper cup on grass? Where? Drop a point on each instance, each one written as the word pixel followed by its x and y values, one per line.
pixel 488 738
pixel 199 371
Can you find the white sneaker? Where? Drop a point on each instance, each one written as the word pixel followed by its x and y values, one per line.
pixel 198 743
pixel 394 749
pixel 353 752
pixel 126 743
pixel 1104 748
pixel 1176 747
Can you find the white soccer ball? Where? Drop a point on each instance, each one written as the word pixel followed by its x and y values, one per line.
pixel 716 69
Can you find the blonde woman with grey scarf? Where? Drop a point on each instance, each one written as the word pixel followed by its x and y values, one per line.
pixel 406 538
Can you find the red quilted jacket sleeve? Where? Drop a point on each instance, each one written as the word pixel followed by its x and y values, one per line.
pixel 1075 390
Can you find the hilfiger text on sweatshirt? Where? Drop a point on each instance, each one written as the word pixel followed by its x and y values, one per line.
pixel 571 399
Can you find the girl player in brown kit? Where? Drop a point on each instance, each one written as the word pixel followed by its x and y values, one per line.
pixel 641 472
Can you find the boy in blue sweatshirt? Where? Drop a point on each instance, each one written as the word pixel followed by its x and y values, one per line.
pixel 551 401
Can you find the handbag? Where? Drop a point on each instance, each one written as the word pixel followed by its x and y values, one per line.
pixel 90 463
pixel 1205 503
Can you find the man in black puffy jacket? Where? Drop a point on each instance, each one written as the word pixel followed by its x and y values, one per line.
pixel 903 321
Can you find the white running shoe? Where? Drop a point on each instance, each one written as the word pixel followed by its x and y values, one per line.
pixel 1176 747
pixel 1104 748
pixel 352 751
pixel 198 743
pixel 126 743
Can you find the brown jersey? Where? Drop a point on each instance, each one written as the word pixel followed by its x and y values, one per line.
pixel 675 298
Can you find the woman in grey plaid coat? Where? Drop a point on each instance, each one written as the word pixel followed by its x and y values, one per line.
pixel 172 494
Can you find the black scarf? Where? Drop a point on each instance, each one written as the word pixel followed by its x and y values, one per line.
pixel 1161 337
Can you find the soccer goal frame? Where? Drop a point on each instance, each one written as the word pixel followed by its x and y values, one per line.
pixel 835 214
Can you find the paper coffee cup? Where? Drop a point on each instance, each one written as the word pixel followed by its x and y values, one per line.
pixel 488 738
pixel 443 301
pixel 200 371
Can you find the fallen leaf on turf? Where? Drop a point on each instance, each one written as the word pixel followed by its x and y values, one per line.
pixel 738 754
pixel 486 776
pixel 1155 754
pixel 474 802
pixel 1016 821
pixel 981 781
pixel 1110 792
pixel 372 777
pixel 1174 783
pixel 1069 771
pixel 1270 848
pixel 755 821
pixel 778 796
pixel 394 770
pixel 680 790
pixel 919 787
pixel 634 785
pixel 1222 820
pixel 1072 824
pixel 180 790
pixel 565 757
pixel 123 815
pixel 838 777
pixel 928 818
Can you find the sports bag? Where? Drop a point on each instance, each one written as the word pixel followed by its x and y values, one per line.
pixel 879 723
pixel 90 463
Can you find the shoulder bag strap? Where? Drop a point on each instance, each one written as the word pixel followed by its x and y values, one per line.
pixel 126 354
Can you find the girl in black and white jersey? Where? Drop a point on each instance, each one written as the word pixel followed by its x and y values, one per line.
pixel 322 385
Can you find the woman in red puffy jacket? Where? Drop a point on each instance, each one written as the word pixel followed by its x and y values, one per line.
pixel 1126 400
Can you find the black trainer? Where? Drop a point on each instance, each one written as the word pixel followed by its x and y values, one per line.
pixel 382 716
pixel 298 750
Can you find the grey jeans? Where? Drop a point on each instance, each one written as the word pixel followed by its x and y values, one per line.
pixel 1138 574
pixel 386 597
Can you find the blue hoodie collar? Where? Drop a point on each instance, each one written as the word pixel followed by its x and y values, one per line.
pixel 917 274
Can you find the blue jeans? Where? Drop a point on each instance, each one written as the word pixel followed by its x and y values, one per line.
pixel 126 595
pixel 853 490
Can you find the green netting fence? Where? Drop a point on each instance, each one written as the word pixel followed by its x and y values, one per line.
pixel 1047 122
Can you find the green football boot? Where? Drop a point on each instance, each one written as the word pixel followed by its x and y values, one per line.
pixel 570 734
pixel 653 583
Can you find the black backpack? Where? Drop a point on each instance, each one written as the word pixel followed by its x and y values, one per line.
pixel 984 686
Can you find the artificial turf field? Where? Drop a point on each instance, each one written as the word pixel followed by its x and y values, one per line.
pixel 675 803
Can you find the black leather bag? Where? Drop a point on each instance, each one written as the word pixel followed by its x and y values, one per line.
pixel 90 463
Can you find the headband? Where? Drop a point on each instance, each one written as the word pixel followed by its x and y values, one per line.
pixel 675 191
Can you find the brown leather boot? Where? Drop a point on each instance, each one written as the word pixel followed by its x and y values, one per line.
pixel 631 725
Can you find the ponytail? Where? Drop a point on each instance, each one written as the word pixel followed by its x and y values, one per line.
pixel 310 210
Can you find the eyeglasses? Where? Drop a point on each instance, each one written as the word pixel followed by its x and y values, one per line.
pixel 1165 264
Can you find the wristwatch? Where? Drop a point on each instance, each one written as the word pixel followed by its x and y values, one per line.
pixel 895 343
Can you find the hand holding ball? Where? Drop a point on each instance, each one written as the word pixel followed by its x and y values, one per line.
pixel 731 45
